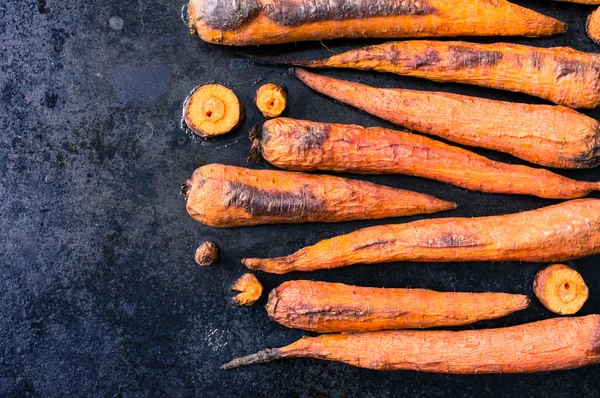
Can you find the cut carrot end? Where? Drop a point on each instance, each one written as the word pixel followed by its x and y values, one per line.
pixel 271 100
pixel 560 289
pixel 593 26
pixel 250 289
pixel 212 110
pixel 206 254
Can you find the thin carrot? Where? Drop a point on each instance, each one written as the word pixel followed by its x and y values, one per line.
pixel 325 307
pixel 228 196
pixel 255 22
pixel 553 136
pixel 560 232
pixel 304 145
pixel 560 74
pixel 552 344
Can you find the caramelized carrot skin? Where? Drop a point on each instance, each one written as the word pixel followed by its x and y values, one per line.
pixel 256 22
pixel 325 307
pixel 304 145
pixel 228 196
pixel 561 232
pixel 561 75
pixel 552 344
pixel 553 136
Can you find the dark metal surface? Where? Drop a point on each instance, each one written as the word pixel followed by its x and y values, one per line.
pixel 99 292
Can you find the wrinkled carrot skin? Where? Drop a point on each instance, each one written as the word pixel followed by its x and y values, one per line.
pixel 553 136
pixel 325 307
pixel 561 232
pixel 560 74
pixel 592 26
pixel 256 22
pixel 228 196
pixel 552 344
pixel 304 145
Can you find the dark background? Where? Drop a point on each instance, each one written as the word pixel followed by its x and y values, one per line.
pixel 99 292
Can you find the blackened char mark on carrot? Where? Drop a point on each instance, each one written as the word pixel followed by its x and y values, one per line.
pixel 430 58
pixel 299 12
pixel 229 14
pixel 464 57
pixel 537 59
pixel 377 244
pixel 258 202
pixel 450 239
pixel 569 67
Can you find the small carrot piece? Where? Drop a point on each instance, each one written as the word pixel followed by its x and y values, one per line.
pixel 593 26
pixel 212 110
pixel 553 136
pixel 552 344
pixel 302 145
pixel 561 75
pixel 561 289
pixel 250 289
pixel 325 307
pixel 271 100
pixel 206 254
pixel 228 196
pixel 258 22
pixel 560 232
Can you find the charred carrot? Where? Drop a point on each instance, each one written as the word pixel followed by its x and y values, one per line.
pixel 555 233
pixel 206 254
pixel 552 344
pixel 304 145
pixel 553 136
pixel 271 100
pixel 561 289
pixel 228 196
pixel 560 74
pixel 255 22
pixel 325 307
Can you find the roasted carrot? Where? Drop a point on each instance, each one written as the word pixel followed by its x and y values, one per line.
pixel 250 290
pixel 325 307
pixel 206 254
pixel 271 100
pixel 255 22
pixel 555 233
pixel 561 289
pixel 552 344
pixel 227 196
pixel 593 26
pixel 212 110
pixel 553 136
pixel 304 145
pixel 560 74
pixel 590 2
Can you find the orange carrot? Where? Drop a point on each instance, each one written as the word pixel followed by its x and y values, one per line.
pixel 561 232
pixel 592 26
pixel 254 22
pixel 325 307
pixel 561 289
pixel 553 136
pixel 560 74
pixel 228 196
pixel 553 344
pixel 304 145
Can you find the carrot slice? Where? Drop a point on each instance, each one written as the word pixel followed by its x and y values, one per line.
pixel 212 110
pixel 271 100
pixel 561 289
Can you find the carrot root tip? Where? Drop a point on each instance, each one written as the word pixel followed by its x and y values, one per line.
pixel 268 355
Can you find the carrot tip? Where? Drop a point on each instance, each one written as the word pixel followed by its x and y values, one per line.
pixel 185 189
pixel 268 355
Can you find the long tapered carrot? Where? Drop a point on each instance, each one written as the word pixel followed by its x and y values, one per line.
pixel 553 136
pixel 254 22
pixel 325 307
pixel 552 344
pixel 228 196
pixel 304 145
pixel 555 233
pixel 560 74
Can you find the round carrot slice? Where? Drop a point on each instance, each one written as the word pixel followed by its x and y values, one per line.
pixel 212 110
pixel 593 26
pixel 271 100
pixel 561 289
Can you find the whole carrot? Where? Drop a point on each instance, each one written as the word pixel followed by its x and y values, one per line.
pixel 552 344
pixel 254 22
pixel 560 74
pixel 228 196
pixel 553 136
pixel 560 232
pixel 304 145
pixel 325 307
